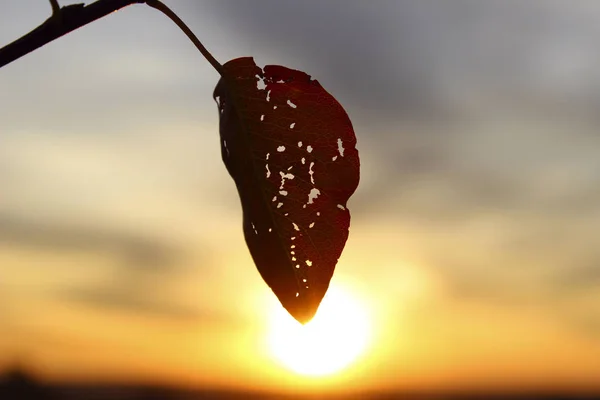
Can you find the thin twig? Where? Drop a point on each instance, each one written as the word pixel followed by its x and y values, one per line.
pixel 71 17
pixel 169 13
pixel 55 7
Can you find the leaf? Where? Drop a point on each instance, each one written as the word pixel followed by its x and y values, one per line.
pixel 290 148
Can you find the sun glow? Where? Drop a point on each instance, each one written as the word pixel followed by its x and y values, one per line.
pixel 336 336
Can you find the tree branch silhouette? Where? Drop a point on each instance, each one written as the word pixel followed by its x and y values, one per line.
pixel 69 18
pixel 55 6
pixel 59 24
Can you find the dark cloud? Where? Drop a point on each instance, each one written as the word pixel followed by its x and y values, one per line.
pixel 418 59
pixel 130 299
pixel 133 250
pixel 356 47
pixel 423 77
pixel 431 87
pixel 478 122
pixel 142 293
pixel 580 276
pixel 560 291
pixel 145 271
pixel 139 285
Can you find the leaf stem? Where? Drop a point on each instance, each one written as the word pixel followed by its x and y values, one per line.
pixel 169 13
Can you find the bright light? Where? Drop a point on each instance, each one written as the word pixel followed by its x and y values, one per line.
pixel 335 337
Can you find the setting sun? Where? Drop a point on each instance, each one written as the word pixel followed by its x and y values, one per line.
pixel 337 335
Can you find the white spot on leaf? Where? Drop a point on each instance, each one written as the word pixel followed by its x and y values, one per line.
pixel 285 176
pixel 225 146
pixel 311 172
pixel 340 147
pixel 309 148
pixel 281 149
pixel 314 193
pixel 289 103
pixel 260 83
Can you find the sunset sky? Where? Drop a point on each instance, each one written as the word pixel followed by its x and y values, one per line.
pixel 475 235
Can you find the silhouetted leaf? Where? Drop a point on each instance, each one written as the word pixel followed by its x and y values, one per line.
pixel 290 148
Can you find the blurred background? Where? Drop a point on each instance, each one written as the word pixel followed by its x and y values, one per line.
pixel 474 242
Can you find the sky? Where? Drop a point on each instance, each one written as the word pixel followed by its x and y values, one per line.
pixel 473 238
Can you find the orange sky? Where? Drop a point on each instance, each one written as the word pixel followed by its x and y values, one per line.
pixel 121 249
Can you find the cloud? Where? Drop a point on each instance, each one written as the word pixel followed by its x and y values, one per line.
pixel 411 59
pixel 582 275
pixel 147 269
pixel 477 124
pixel 363 64
pixel 478 103
pixel 131 249
pixel 130 299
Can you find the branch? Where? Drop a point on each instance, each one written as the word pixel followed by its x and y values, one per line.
pixel 55 6
pixel 68 19
pixel 74 16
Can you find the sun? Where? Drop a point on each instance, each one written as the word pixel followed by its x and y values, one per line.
pixel 331 341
